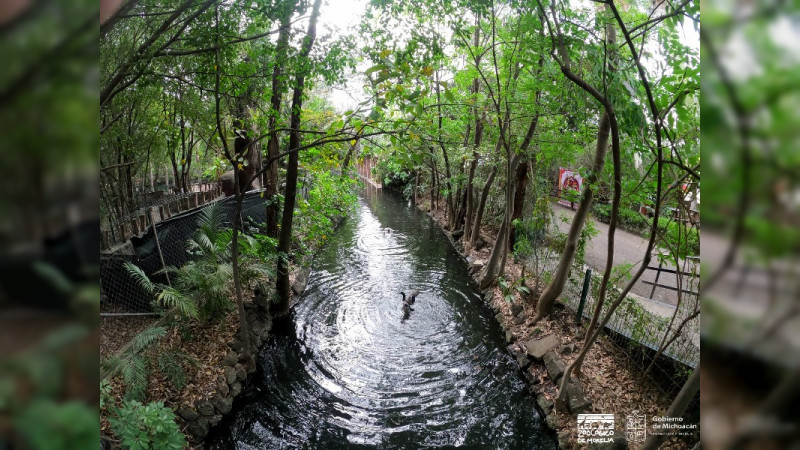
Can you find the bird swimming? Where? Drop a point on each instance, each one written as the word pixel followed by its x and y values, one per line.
pixel 407 302
pixel 410 300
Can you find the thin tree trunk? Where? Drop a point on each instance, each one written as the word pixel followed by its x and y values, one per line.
pixel 350 151
pixel 237 282
pixel 473 164
pixel 496 264
pixel 450 212
pixel 244 333
pixel 476 224
pixel 611 37
pixel 285 239
pixel 520 185
pixel 416 186
pixel 549 295
pixel 271 174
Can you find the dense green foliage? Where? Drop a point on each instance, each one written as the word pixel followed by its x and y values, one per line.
pixel 150 426
pixel 330 199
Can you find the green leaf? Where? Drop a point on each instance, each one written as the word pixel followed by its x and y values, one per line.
pixel 375 68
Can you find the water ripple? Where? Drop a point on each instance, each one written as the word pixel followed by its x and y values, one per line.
pixel 354 374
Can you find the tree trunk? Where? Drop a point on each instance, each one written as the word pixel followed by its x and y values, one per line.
pixel 242 144
pixel 496 264
pixel 521 184
pixel 416 186
pixel 677 408
pixel 611 38
pixel 285 240
pixel 237 284
pixel 476 224
pixel 473 164
pixel 549 295
pixel 129 184
pixel 175 174
pixel 350 151
pixel 450 212
pixel 271 174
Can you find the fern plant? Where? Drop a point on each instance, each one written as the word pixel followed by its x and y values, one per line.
pixel 135 368
pixel 202 288
pixel 169 364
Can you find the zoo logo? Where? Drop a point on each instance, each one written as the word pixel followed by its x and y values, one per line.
pixel 591 426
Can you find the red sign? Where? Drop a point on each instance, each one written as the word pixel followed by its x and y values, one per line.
pixel 568 180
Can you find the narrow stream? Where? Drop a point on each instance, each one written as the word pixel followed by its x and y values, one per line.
pixel 348 373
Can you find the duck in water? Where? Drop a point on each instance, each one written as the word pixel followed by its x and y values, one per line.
pixel 407 302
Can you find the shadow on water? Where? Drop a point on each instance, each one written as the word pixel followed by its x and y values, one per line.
pixel 347 372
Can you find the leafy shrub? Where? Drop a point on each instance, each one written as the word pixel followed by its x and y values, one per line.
pixel 629 219
pixel 632 220
pixel 330 199
pixel 602 212
pixel 678 236
pixel 150 426
pixel 105 393
pixel 588 232
pixel 509 289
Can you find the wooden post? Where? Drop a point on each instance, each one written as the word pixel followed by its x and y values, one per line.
pixel 158 245
pixel 134 227
pixel 104 240
pixel 161 215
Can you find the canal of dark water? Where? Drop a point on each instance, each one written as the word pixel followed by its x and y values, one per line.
pixel 347 372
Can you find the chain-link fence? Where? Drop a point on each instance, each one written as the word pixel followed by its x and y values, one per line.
pixel 122 295
pixel 648 332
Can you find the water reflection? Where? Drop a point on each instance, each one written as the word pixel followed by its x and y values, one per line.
pixel 352 373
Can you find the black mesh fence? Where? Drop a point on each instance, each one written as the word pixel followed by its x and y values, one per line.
pixel 122 295
pixel 640 326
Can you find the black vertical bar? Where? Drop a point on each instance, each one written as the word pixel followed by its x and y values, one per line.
pixel 584 292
